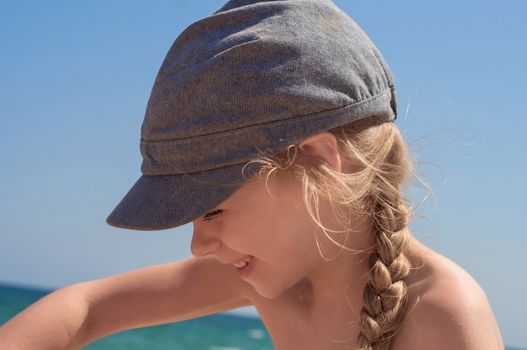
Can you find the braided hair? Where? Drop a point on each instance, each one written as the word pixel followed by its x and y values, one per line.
pixel 381 161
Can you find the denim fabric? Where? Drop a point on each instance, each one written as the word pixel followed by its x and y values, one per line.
pixel 251 78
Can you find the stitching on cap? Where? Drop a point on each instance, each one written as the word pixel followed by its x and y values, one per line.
pixel 233 131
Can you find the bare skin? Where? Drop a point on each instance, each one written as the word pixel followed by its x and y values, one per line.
pixel 310 303
pixel 308 298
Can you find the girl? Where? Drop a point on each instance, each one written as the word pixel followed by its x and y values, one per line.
pixel 271 127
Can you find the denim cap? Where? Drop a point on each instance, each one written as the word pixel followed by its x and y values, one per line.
pixel 250 79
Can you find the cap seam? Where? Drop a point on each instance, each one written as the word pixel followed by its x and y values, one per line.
pixel 304 116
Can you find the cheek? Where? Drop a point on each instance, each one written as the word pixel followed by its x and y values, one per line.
pixel 282 237
pixel 245 237
pixel 288 260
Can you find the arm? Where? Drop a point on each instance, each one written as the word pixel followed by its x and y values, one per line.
pixel 161 294
pixel 75 316
pixel 55 321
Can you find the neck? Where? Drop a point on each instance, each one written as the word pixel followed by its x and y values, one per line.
pixel 336 298
pixel 331 298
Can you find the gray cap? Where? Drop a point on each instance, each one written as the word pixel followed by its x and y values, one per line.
pixel 252 78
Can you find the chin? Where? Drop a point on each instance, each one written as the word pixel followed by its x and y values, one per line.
pixel 269 292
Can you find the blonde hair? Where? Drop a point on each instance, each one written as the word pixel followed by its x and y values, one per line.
pixel 381 161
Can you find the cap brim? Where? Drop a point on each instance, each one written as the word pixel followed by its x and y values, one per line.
pixel 167 201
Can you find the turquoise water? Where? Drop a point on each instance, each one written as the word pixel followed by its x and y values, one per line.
pixel 215 332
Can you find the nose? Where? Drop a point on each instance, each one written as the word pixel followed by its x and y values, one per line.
pixel 203 244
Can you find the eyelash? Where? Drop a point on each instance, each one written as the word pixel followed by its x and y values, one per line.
pixel 211 215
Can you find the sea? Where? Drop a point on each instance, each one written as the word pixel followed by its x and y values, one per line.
pixel 214 332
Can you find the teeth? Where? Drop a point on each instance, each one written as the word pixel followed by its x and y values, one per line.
pixel 242 262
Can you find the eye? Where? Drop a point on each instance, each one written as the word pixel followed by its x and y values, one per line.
pixel 209 216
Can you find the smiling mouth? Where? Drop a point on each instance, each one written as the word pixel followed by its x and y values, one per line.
pixel 243 262
pixel 245 265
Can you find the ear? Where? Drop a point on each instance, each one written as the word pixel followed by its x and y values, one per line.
pixel 323 147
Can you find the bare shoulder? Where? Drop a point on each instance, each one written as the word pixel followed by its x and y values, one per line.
pixel 451 312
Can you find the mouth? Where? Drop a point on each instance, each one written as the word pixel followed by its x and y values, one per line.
pixel 244 265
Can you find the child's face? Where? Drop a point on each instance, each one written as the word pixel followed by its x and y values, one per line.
pixel 274 229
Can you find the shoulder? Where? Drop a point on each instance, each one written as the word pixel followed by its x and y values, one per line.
pixel 451 312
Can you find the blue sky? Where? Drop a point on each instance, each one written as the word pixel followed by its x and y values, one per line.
pixel 75 78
